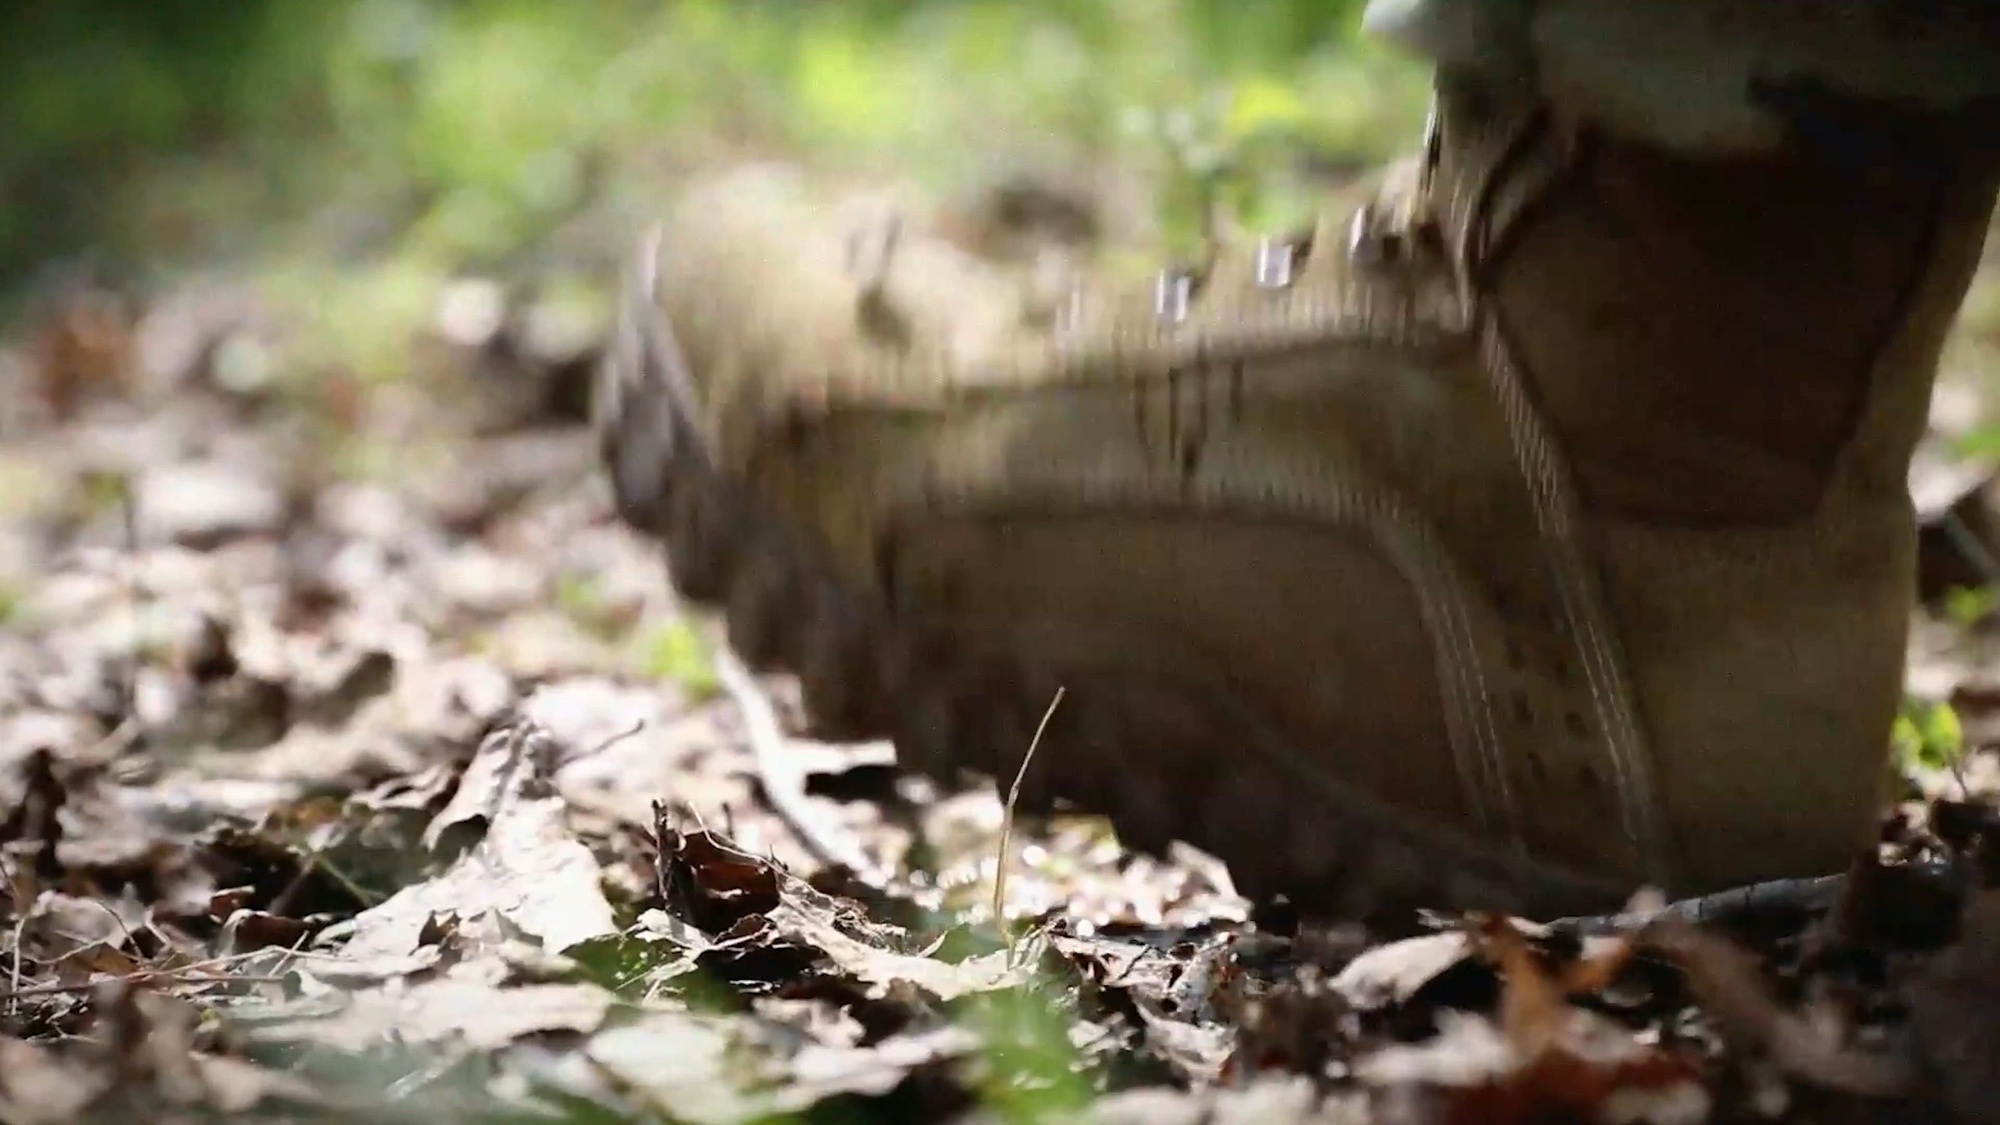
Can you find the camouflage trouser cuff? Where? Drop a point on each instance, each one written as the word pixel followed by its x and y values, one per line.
pixel 1861 79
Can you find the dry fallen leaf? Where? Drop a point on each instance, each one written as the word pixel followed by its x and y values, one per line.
pixel 1728 984
pixel 1544 1059
pixel 526 866
pixel 799 919
pixel 1392 973
pixel 460 1011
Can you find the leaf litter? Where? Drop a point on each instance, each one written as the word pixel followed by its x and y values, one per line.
pixel 330 794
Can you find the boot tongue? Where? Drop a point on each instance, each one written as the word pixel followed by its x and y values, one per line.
pixel 1490 151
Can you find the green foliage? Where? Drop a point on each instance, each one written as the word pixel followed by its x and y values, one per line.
pixel 581 596
pixel 1968 606
pixel 1032 1072
pixel 1983 441
pixel 675 652
pixel 465 134
pixel 1928 735
pixel 638 963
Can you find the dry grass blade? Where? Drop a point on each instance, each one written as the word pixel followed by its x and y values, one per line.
pixel 1007 812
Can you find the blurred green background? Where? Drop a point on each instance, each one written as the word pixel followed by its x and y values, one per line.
pixel 351 162
pixel 338 147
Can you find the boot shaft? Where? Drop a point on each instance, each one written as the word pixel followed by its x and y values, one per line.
pixel 1726 363
pixel 1711 339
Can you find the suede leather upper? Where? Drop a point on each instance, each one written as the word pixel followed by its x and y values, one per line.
pixel 1580 463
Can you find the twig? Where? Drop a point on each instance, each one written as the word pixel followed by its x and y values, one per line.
pixel 293 952
pixel 633 731
pixel 1802 896
pixel 782 781
pixel 130 937
pixel 1007 812
pixel 34 991
pixel 181 973
pixel 281 904
pixel 1969 547
pixel 1811 895
pixel 20 935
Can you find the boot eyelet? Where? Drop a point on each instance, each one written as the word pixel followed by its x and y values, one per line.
pixel 1174 293
pixel 1280 259
pixel 1365 246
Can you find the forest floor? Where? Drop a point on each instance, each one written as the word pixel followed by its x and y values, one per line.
pixel 355 764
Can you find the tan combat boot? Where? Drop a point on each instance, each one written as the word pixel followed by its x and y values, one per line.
pixel 1534 534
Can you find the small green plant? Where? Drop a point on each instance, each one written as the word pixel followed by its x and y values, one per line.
pixel 1967 606
pixel 676 652
pixel 1928 735
pixel 1032 1071
pixel 581 596
pixel 1981 442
